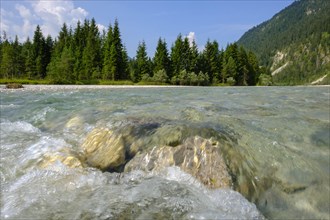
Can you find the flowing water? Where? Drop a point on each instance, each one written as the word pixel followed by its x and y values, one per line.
pixel 276 149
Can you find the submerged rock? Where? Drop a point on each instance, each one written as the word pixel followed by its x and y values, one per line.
pixel 75 123
pixel 69 160
pixel 131 146
pixel 104 149
pixel 197 156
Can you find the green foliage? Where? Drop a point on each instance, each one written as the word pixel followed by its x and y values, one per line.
pixel 176 56
pixel 229 69
pixel 142 63
pixel 160 76
pixel 161 60
pixel 265 80
pixel 92 54
pixel 299 33
pixel 7 60
pixel 84 56
pixel 213 61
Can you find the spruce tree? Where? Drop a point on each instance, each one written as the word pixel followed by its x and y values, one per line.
pixel 7 60
pixel 213 62
pixel 254 70
pixel 40 65
pixel 176 55
pixel 194 58
pixel 242 68
pixel 28 58
pixel 125 68
pixel 18 59
pixel 185 55
pixel 121 64
pixel 79 42
pixel 161 59
pixel 92 54
pixel 107 54
pixel 142 62
pixel 62 52
pixel 229 71
pixel 113 62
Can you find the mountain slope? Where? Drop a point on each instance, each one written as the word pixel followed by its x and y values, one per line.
pixel 295 44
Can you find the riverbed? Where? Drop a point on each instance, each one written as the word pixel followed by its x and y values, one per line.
pixel 274 141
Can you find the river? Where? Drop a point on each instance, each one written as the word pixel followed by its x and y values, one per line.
pixel 274 141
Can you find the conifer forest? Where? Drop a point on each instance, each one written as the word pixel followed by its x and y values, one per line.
pixel 84 55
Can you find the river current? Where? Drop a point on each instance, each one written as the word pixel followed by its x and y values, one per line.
pixel 277 151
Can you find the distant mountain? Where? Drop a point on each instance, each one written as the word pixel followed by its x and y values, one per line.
pixel 295 44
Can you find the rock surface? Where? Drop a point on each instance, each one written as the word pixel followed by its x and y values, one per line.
pixel 104 149
pixel 14 86
pixel 197 156
pixel 69 160
pixel 130 148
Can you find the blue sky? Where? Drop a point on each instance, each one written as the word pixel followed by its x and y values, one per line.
pixel 224 21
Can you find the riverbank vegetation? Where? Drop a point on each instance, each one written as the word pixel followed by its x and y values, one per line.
pixel 85 56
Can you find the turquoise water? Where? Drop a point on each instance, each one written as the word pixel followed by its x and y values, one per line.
pixel 278 152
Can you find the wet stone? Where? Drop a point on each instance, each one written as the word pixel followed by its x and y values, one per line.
pixel 197 156
pixel 104 149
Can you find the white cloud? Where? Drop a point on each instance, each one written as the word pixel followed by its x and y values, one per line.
pixel 54 13
pixel 23 11
pixel 50 15
pixel 5 21
pixel 101 28
pixel 191 38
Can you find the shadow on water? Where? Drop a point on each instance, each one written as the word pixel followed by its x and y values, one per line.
pixel 321 137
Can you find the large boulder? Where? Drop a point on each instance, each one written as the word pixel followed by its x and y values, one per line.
pixel 197 156
pixel 104 149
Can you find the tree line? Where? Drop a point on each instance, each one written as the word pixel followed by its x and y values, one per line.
pixel 84 55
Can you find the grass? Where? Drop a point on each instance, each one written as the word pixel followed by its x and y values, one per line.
pixel 90 82
pixel 25 81
pixel 110 82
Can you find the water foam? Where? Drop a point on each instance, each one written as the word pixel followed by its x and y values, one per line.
pixel 8 127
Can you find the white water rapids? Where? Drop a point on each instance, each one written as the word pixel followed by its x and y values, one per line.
pixel 281 146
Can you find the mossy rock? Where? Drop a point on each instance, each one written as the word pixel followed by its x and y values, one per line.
pixel 14 86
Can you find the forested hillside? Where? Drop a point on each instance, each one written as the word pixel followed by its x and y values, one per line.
pixel 86 56
pixel 295 43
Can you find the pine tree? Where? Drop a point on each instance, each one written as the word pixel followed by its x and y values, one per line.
pixel 107 54
pixel 92 54
pixel 229 71
pixel 142 62
pixel 213 62
pixel 39 65
pixel 62 57
pixel 1 44
pixel 7 60
pixel 79 42
pixel 185 55
pixel 230 52
pixel 125 68
pixel 254 71
pixel 194 58
pixel 121 65
pixel 176 55
pixel 113 62
pixel 27 52
pixel 161 59
pixel 18 59
pixel 242 76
